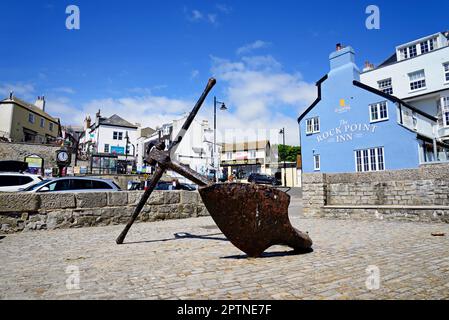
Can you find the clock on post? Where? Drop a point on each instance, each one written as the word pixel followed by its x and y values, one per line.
pixel 63 159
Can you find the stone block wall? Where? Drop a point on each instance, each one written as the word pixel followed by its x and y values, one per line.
pixel 28 211
pixel 416 194
pixel 18 152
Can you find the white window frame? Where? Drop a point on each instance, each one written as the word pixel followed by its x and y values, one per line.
pixel 315 162
pixel 104 149
pixel 378 112
pixel 42 124
pixel 446 72
pixel 420 81
pixel 445 110
pixel 31 118
pixel 253 154
pixel 366 157
pixel 313 125
pixel 117 135
pixel 430 45
pixel 50 126
pixel 386 86
pixel 228 155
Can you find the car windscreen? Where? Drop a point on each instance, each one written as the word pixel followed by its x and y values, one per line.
pixel 37 185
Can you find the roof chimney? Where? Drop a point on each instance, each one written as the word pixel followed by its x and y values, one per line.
pixel 87 123
pixel 342 62
pixel 368 66
pixel 11 95
pixel 40 103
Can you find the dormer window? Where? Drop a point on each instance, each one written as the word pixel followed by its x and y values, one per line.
pixel 408 52
pixel 428 45
pixel 418 48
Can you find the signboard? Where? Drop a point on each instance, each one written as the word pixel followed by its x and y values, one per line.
pixel 35 164
pixel 241 155
pixel 346 132
pixel 117 150
pixel 70 171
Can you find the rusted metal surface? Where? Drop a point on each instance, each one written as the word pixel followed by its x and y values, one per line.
pixel 253 217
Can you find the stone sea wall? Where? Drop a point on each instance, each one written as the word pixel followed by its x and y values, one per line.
pixel 28 211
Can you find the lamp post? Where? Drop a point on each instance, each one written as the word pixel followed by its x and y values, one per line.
pixel 222 108
pixel 282 131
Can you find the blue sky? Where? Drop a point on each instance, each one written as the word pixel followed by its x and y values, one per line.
pixel 149 60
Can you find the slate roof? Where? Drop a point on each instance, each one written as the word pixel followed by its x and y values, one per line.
pixel 118 121
pixel 30 107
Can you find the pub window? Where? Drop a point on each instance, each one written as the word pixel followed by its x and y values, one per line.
pixel 313 125
pixel 316 162
pixel 31 118
pixel 417 80
pixel 50 126
pixel 106 148
pixel 229 155
pixel 42 123
pixel 252 154
pixel 378 111
pixel 369 160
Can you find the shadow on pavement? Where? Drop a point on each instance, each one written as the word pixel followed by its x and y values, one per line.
pixel 184 235
pixel 271 254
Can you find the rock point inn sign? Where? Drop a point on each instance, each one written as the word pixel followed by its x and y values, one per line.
pixel 346 132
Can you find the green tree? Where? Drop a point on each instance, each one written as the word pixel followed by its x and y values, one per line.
pixel 288 153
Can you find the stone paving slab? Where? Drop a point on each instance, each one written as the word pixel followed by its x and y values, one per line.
pixel 201 264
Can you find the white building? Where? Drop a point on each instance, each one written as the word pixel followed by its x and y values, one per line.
pixel 110 136
pixel 244 158
pixel 418 74
pixel 195 149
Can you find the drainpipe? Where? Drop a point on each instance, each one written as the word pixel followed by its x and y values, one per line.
pixel 435 149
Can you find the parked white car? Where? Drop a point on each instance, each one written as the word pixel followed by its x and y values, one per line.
pixel 16 181
pixel 74 184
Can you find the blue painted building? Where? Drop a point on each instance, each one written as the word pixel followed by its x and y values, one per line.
pixel 352 127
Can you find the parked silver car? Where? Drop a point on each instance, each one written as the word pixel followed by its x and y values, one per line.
pixel 74 184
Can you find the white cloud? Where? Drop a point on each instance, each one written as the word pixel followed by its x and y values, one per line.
pixel 196 15
pixel 258 44
pixel 21 90
pixel 261 96
pixel 194 74
pixel 66 90
pixel 148 110
pixel 212 18
pixel 223 8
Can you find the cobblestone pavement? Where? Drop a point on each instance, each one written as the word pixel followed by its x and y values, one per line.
pixel 201 264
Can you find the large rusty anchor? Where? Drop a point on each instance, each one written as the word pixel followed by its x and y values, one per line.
pixel 252 217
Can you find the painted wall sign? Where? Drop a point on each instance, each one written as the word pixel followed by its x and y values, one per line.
pixel 346 132
pixel 117 150
pixel 343 107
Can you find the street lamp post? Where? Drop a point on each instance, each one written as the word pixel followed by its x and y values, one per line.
pixel 285 165
pixel 222 108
